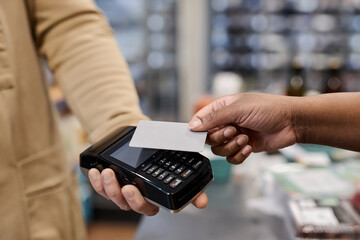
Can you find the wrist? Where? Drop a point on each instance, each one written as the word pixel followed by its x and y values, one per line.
pixel 298 118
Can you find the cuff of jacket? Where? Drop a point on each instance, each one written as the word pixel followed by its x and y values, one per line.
pixel 112 125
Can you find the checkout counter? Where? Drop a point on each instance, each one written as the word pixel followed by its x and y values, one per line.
pixel 255 202
pixel 226 217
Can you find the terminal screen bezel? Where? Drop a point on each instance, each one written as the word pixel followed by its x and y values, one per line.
pixel 123 145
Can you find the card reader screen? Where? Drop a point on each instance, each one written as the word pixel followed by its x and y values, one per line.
pixel 131 155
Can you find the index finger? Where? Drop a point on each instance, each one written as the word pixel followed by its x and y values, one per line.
pixel 210 112
pixel 214 106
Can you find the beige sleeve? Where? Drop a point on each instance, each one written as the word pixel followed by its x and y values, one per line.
pixel 79 46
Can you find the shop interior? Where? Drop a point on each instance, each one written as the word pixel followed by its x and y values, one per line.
pixel 184 54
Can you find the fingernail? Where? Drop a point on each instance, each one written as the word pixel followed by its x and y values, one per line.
pixel 194 124
pixel 240 141
pixel 128 194
pixel 93 175
pixel 126 208
pixel 246 150
pixel 229 132
pixel 155 211
pixel 107 177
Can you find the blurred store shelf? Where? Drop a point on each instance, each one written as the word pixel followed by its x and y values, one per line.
pixel 145 31
pixel 259 39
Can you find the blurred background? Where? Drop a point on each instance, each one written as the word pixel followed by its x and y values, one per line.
pixel 184 54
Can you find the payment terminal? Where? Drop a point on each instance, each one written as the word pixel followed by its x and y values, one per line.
pixel 168 179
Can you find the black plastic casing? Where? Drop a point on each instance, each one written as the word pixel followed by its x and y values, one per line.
pixel 154 190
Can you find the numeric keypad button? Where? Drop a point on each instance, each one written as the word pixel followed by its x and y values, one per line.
pixel 169 179
pixel 180 169
pixel 157 172
pixel 163 175
pixel 151 169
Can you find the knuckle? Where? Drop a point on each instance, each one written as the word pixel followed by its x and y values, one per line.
pixel 219 138
pixel 112 194
pixel 240 158
pixel 241 140
pixel 211 140
pixel 236 159
pixel 230 159
pixel 246 138
pixel 112 191
pixel 209 118
pixel 217 151
pixel 229 149
pixel 97 185
pixel 233 148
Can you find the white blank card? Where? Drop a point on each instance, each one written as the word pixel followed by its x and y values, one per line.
pixel 167 135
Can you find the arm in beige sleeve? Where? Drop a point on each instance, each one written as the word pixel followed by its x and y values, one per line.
pixel 328 119
pixel 79 46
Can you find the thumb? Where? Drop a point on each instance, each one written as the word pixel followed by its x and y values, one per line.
pixel 213 119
